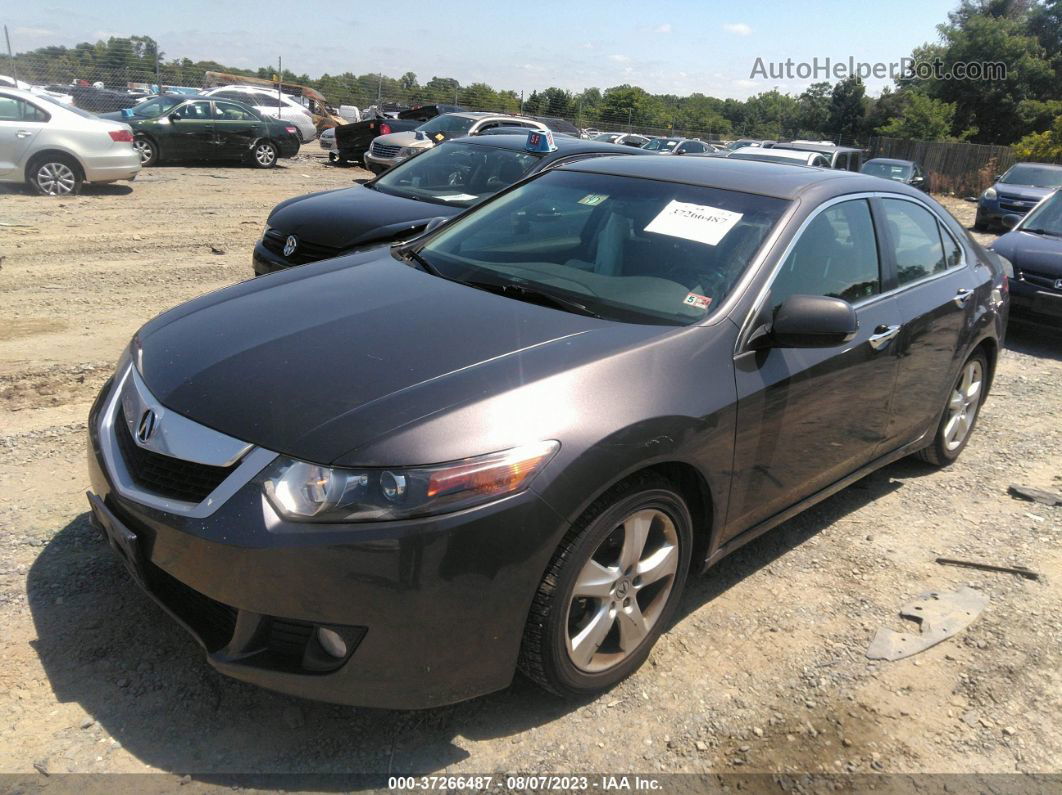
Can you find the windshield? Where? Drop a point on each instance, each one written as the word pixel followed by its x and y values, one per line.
pixel 1047 217
pixel 896 171
pixel 661 144
pixel 1029 174
pixel 458 174
pixel 633 250
pixel 447 124
pixel 606 137
pixel 152 108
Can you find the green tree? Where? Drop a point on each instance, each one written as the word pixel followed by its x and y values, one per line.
pixel 813 111
pixel 847 109
pixel 923 118
pixel 1044 146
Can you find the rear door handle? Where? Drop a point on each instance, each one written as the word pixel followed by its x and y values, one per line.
pixel 962 296
pixel 882 336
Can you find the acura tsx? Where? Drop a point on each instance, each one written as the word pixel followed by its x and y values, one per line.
pixel 396 478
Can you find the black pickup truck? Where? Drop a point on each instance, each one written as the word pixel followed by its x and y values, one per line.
pixel 352 140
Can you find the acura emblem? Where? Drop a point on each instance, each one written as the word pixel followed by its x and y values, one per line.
pixel 146 426
pixel 1058 284
pixel 290 245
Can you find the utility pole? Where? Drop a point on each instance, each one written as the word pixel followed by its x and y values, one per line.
pixel 630 112
pixel 521 100
pixel 379 90
pixel 158 69
pixel 280 81
pixel 14 69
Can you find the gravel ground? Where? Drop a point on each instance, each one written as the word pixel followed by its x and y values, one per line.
pixel 763 671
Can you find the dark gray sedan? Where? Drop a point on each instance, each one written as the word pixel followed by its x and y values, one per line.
pixel 395 478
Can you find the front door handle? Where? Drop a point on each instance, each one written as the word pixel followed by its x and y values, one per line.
pixel 882 336
pixel 24 133
pixel 962 296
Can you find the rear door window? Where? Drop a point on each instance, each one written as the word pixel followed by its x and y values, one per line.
pixel 915 240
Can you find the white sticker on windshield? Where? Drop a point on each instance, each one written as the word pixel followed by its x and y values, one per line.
pixel 697 222
pixel 457 197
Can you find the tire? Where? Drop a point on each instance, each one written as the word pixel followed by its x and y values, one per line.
pixel 980 224
pixel 147 149
pixel 963 409
pixel 55 175
pixel 578 646
pixel 264 154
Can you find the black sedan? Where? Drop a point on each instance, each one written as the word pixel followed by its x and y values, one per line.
pixel 438 184
pixel 179 127
pixel 395 478
pixel 1034 247
pixel 906 171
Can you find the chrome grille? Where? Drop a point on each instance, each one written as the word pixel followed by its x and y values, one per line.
pixel 384 150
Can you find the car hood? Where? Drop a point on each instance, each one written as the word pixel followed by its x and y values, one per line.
pixel 319 361
pixel 1038 253
pixel 349 217
pixel 408 138
pixel 1027 192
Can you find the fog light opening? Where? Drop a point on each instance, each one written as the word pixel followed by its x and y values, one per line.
pixel 331 643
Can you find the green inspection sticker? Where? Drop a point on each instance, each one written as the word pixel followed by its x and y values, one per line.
pixel 593 199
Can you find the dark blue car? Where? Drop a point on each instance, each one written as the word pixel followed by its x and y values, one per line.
pixel 1016 192
pixel 1034 246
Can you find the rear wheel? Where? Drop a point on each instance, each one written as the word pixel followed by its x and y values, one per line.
pixel 980 224
pixel 265 154
pixel 146 149
pixel 610 590
pixel 55 175
pixel 960 414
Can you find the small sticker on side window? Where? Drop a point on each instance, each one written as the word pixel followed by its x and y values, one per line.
pixel 697 301
pixel 697 222
pixel 593 199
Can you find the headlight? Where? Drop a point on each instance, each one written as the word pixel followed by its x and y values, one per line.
pixel 408 151
pixel 990 193
pixel 312 493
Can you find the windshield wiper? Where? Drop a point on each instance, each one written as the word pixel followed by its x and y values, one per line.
pixel 534 295
pixel 409 256
pixel 1035 231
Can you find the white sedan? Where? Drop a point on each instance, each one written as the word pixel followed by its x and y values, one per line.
pixel 55 148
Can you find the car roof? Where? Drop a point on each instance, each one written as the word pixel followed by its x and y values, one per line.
pixel 796 155
pixel 1034 163
pixel 565 145
pixel 780 180
pixel 815 147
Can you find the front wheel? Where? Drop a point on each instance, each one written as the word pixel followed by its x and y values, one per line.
pixel 960 414
pixel 146 149
pixel 265 154
pixel 610 590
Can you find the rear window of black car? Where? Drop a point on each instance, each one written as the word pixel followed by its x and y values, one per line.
pixel 457 174
pixel 633 250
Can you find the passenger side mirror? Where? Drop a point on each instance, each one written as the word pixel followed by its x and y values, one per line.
pixel 1010 220
pixel 435 223
pixel 812 321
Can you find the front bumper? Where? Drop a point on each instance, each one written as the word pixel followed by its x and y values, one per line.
pixel 992 210
pixel 433 608
pixel 378 165
pixel 1033 304
pixel 265 261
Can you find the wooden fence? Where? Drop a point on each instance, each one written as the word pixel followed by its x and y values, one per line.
pixel 959 168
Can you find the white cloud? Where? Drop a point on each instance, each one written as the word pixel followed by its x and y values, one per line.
pixel 665 28
pixel 619 58
pixel 738 28
pixel 31 31
pixel 587 45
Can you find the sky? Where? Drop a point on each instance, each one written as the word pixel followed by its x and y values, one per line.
pixel 675 47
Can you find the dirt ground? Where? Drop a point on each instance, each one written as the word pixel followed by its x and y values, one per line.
pixel 765 669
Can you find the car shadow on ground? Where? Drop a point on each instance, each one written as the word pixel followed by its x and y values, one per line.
pixel 88 189
pixel 105 646
pixel 1034 340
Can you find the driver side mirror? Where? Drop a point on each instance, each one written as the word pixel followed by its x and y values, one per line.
pixel 809 321
pixel 173 117
pixel 1010 220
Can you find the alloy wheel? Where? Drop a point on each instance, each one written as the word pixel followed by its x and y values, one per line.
pixel 621 591
pixel 56 179
pixel 265 154
pixel 963 405
pixel 144 150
